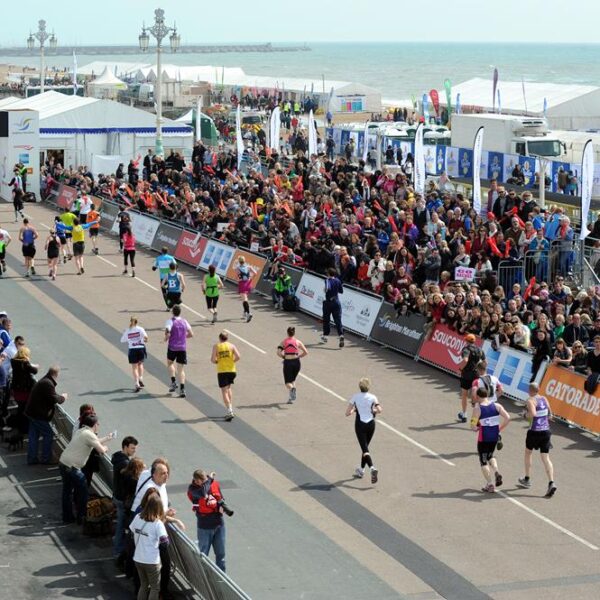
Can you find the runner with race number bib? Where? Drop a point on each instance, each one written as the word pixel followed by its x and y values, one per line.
pixel 163 263
pixel 174 283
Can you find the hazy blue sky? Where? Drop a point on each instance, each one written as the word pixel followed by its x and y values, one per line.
pixel 119 21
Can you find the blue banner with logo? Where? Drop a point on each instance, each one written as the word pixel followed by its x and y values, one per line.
pixel 527 164
pixel 465 163
pixel 495 166
pixel 556 167
pixel 440 160
pixel 344 139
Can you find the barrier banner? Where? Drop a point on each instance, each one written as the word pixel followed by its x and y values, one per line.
pixel 217 254
pixel 512 368
pixel 143 228
pixel 166 235
pixel 108 215
pixel 568 398
pixel 444 347
pixel 265 286
pixel 66 196
pixel 190 248
pixel 258 262
pixel 359 310
pixel 404 333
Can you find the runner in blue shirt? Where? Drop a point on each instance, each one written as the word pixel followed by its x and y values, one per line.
pixel 163 263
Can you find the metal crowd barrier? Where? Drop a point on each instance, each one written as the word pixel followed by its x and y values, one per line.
pixel 193 568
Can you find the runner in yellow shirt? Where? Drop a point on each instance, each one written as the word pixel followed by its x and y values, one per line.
pixel 225 355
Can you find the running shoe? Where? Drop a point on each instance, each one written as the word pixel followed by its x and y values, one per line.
pixel 33 271
pixel 214 317
pixel 53 277
pixel 173 387
pixel 229 416
pixel 293 394
pixel 124 272
pixel 461 417
pixel 342 341
pixel 551 490
pixel 359 473
pixel 498 480
pixel 141 383
pixel 374 474
pixel 500 443
pixel 133 273
pixel 64 260
pixel 82 270
pixel 249 317
pixel 489 488
pixel 323 339
pixel 182 394
pixel 27 274
pixel 137 389
pixel 49 273
pixel 524 482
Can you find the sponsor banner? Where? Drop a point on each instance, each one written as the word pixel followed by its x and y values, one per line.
pixel 359 311
pixel 52 193
pixel 569 400
pixel 217 254
pixel 166 235
pixel 253 260
pixel 452 161
pixel 404 333
pixel 108 215
pixel 512 368
pixel 464 274
pixel 143 228
pixel 265 285
pixel 495 166
pixel 528 167
pixel 66 196
pixel 444 347
pixel 465 163
pixel 190 248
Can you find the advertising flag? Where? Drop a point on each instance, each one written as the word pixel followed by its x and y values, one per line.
pixel 435 100
pixel 419 161
pixel 448 88
pixel 366 142
pixel 524 94
pixel 458 108
pixel 238 136
pixel 499 102
pixel 74 74
pixel 199 118
pixel 274 127
pixel 312 134
pixel 494 87
pixel 477 150
pixel 587 183
pixel 545 107
pixel 425 103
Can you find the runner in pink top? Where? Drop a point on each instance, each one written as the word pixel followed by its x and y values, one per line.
pixel 128 240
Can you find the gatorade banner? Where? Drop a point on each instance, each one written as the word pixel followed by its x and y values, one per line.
pixel 443 349
pixel 190 248
pixel 217 254
pixel 253 260
pixel 569 400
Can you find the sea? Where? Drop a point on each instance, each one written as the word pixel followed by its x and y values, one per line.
pixel 398 70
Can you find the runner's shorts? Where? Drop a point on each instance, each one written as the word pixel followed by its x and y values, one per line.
pixel 178 356
pixel 226 379
pixel 538 440
pixel 486 452
pixel 136 355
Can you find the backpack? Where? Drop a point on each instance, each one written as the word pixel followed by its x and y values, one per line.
pixel 98 520
pixel 290 303
pixel 210 503
pixel 475 355
pixel 487 384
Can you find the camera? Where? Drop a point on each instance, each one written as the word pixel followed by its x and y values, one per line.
pixel 221 504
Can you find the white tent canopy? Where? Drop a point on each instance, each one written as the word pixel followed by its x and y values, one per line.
pixel 568 106
pixel 108 80
pixel 120 69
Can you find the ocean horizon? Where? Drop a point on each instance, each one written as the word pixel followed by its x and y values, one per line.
pixel 397 69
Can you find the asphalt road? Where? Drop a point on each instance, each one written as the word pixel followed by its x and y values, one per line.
pixel 304 528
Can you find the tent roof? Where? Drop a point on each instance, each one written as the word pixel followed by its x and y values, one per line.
pixel 355 88
pixel 478 92
pixel 6 102
pixel 108 79
pixel 52 103
pixel 118 68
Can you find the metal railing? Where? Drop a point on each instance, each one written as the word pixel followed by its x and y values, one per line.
pixel 194 569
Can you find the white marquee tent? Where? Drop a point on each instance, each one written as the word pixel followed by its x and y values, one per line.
pixel 106 86
pixel 568 106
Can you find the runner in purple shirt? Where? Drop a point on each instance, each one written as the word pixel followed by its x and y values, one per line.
pixel 177 331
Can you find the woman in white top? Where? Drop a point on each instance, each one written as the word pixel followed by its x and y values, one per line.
pixel 136 338
pixel 149 533
pixel 366 406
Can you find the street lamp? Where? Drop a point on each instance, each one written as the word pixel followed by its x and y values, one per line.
pixel 41 35
pixel 159 32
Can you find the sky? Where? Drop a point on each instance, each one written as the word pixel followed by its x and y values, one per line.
pixel 199 21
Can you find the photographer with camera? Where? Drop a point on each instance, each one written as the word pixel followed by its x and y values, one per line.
pixel 205 495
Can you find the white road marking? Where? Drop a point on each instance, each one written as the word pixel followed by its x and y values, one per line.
pixel 238 337
pixel 147 284
pixel 548 521
pixel 106 261
pixel 383 423
pixel 194 311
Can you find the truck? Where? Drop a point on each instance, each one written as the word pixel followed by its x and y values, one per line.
pixel 509 134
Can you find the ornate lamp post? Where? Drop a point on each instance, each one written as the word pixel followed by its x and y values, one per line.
pixel 41 35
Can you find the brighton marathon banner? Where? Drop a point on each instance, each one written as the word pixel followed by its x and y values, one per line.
pixel 252 260
pixel 443 349
pixel 265 284
pixel 569 400
pixel 143 228
pixel 216 254
pixel 66 196
pixel 359 310
pixel 403 333
pixel 190 248
pixel 168 236
pixel 512 368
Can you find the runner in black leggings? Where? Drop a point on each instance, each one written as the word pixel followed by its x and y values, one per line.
pixel 366 406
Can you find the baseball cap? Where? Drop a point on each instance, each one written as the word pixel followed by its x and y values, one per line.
pixel 470 338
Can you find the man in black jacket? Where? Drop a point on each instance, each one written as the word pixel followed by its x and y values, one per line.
pixel 120 460
pixel 40 410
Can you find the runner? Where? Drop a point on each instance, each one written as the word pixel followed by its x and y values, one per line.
pixel 470 355
pixel 124 220
pixel 332 306
pixel 163 262
pixel 539 413
pixel 128 240
pixel 245 274
pixel 5 240
pixel 225 355
pixel 27 237
pixel 291 350
pixel 79 243
pixel 491 384
pixel 366 406
pixel 17 194
pixel 174 283
pixel 488 419
pixel 93 216
pixel 210 287
pixel 61 232
pixel 136 339
pixel 177 332
pixel 85 207
pixel 53 253
pixel 68 219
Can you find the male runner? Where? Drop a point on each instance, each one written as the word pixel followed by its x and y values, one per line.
pixel 177 332
pixel 174 283
pixel 68 218
pixel 539 413
pixel 94 217
pixel 490 383
pixel 163 263
pixel 225 355
pixel 470 355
